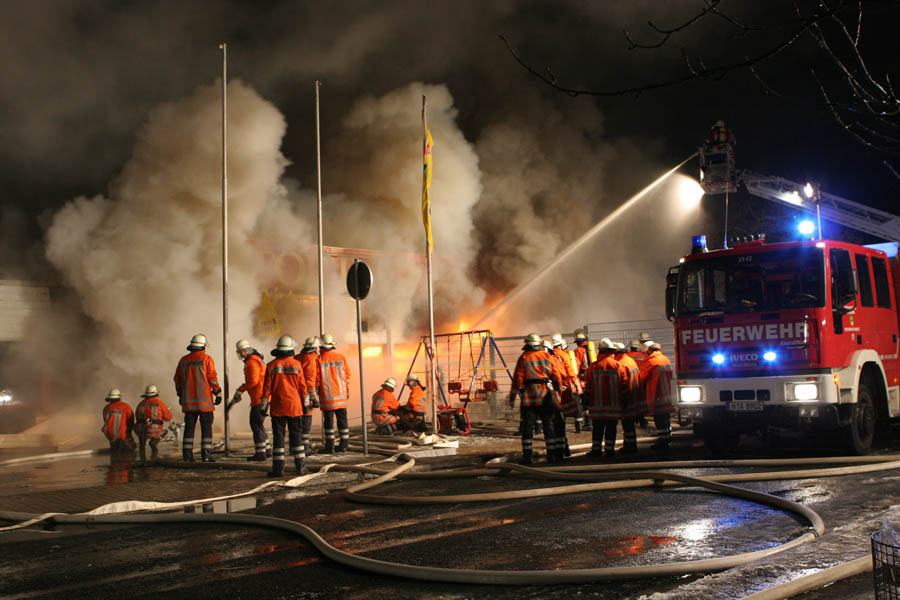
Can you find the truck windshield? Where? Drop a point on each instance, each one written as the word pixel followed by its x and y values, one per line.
pixel 763 280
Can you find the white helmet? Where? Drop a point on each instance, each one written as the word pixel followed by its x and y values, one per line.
pixel 635 344
pixel 653 346
pixel 151 391
pixel 548 345
pixel 242 345
pixel 558 341
pixel 412 377
pixel 620 346
pixel 327 341
pixel 580 336
pixel 311 342
pixel 390 382
pixel 198 342
pixel 113 394
pixel 606 345
pixel 285 343
pixel 533 339
pixel 644 337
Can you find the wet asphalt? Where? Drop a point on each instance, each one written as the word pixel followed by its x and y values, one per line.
pixel 583 530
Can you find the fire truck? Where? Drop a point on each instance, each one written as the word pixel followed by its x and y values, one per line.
pixel 800 335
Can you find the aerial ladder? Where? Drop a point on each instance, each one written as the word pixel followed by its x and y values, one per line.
pixel 718 175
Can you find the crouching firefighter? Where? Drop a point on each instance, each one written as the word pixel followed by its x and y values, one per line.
pixel 285 394
pixel 254 376
pixel 151 416
pixel 198 391
pixel 118 422
pixel 535 378
pixel 385 407
pixel 334 393
pixel 412 414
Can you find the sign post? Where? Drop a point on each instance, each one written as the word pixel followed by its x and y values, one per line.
pixel 359 282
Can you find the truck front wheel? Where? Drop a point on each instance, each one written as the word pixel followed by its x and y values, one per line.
pixel 861 430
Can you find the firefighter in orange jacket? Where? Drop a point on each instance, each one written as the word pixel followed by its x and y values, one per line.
pixel 570 397
pixel 118 422
pixel 606 385
pixel 254 378
pixel 534 379
pixel 583 361
pixel 334 394
pixel 309 360
pixel 197 386
pixel 659 394
pixel 151 416
pixel 637 352
pixel 631 404
pixel 285 394
pixel 558 416
pixel 412 414
pixel 385 408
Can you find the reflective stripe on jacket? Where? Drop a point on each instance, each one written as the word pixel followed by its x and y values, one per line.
pixel 416 402
pixel 118 421
pixel 285 387
pixel 534 370
pixel 196 382
pixel 658 387
pixel 154 410
pixel 384 401
pixel 606 385
pixel 334 380
pixel 254 377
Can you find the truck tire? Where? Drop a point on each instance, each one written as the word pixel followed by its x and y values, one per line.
pixel 861 430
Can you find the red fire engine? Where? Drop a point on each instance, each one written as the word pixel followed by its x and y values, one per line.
pixel 801 334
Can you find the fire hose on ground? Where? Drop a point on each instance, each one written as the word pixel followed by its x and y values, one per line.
pixel 638 477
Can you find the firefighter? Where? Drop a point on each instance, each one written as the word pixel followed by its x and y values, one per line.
pixel 558 416
pixel 118 422
pixel 606 384
pixel 197 386
pixel 412 414
pixel 309 360
pixel 570 397
pixel 659 394
pixel 285 394
pixel 334 394
pixel 385 407
pixel 583 361
pixel 254 376
pixel 534 378
pixel 151 416
pixel 631 401
pixel 638 354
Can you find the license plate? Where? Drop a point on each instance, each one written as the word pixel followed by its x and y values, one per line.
pixel 745 406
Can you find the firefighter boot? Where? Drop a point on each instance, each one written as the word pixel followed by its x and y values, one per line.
pixel 578 425
pixel 344 445
pixel 277 469
pixel 526 458
pixel 588 426
pixel 206 455
pixel 328 448
pixel 143 452
pixel 187 455
pixel 154 453
pixel 258 457
pixel 567 452
pixel 300 466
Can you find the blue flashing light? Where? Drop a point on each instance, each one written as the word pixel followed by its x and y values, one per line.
pixel 889 248
pixel 806 227
pixel 698 244
pixel 718 358
pixel 770 356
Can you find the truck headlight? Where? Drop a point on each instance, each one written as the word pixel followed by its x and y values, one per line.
pixel 804 392
pixel 6 397
pixel 690 394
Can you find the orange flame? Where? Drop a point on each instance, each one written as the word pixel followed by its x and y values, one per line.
pixel 372 351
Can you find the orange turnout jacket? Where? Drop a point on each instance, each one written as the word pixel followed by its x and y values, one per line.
pixel 118 421
pixel 567 399
pixel 310 363
pixel 659 384
pixel 632 402
pixel 384 401
pixel 285 387
pixel 534 370
pixel 334 380
pixel 254 378
pixel 416 403
pixel 150 416
pixel 606 385
pixel 583 360
pixel 196 382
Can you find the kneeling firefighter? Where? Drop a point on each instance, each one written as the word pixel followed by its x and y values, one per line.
pixel 412 414
pixel 535 378
pixel 150 418
pixel 285 393
pixel 385 407
pixel 118 422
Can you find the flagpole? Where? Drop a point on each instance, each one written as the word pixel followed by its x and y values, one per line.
pixel 225 239
pixel 319 218
pixel 434 419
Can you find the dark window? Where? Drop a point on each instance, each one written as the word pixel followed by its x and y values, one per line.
pixel 882 289
pixel 865 281
pixel 841 277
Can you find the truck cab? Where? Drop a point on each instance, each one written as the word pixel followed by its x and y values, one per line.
pixel 801 335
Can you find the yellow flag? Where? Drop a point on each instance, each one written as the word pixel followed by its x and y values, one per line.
pixel 426 188
pixel 268 324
